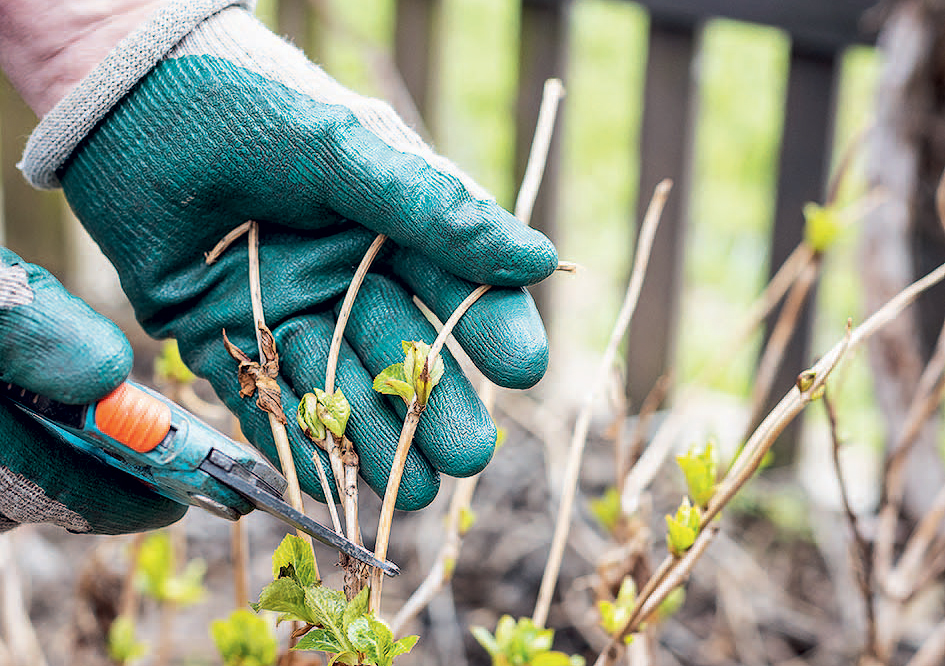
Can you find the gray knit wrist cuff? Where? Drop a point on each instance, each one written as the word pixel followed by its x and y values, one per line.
pixel 61 130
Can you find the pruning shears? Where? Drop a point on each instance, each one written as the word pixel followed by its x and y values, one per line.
pixel 177 455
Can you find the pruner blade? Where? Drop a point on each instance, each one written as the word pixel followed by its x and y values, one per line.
pixel 265 494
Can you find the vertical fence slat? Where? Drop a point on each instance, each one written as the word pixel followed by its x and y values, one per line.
pixel 414 44
pixel 34 220
pixel 802 176
pixel 666 148
pixel 543 49
pixel 296 20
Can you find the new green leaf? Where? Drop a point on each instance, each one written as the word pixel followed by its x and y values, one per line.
pixel 169 366
pixel 393 381
pixel 155 575
pixel 700 469
pixel 522 643
pixel 123 645
pixel 244 639
pixel 333 410
pixel 328 608
pixel 294 559
pixel 822 226
pixel 614 614
pixel 322 639
pixel 683 528
pixel 415 369
pixel 307 418
pixel 284 595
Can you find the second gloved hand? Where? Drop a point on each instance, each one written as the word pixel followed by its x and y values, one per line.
pixel 54 344
pixel 235 124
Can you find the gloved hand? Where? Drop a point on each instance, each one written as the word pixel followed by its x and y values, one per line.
pixel 235 124
pixel 54 344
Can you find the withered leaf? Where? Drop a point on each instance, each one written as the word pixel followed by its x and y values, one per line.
pixel 254 378
pixel 270 355
pixel 349 456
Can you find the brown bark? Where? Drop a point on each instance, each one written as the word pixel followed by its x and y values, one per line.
pixel 905 160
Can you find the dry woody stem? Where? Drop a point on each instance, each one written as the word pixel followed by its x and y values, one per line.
pixel 579 437
pixel 411 421
pixel 763 438
pixel 268 365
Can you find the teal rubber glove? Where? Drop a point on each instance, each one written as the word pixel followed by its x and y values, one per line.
pixel 235 124
pixel 54 344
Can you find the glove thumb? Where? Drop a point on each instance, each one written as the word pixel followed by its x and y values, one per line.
pixel 53 343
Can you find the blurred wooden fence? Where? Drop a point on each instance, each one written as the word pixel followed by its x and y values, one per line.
pixel 820 31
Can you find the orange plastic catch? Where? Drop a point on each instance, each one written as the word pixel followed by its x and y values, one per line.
pixel 134 418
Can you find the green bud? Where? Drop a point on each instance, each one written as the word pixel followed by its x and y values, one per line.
pixel 823 226
pixel 607 509
pixel 333 411
pixel 672 603
pixel 392 381
pixel 169 366
pixel 467 518
pixel 308 419
pixel 415 370
pixel 700 469
pixel 613 615
pixel 683 528
pixel 805 380
pixel 449 566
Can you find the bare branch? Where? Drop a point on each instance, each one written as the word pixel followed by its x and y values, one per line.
pixel 581 426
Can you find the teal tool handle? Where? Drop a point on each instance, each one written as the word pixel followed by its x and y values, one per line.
pixel 147 435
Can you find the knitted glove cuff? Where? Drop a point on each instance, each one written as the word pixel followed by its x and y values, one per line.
pixel 61 130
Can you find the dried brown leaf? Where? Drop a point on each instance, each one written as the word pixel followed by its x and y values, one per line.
pixel 261 380
pixel 349 457
pixel 269 397
pixel 270 356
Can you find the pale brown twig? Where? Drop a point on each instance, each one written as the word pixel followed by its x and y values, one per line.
pixel 345 312
pixel 629 453
pixel 784 328
pixel 238 552
pixel 225 242
pixel 411 421
pixel 551 96
pixel 445 562
pixel 582 424
pixel 861 550
pixel 279 434
pixel 766 433
pixel 932 651
pixel 673 572
pixel 901 582
pixel 927 399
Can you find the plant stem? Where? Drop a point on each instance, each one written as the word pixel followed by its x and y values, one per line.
pixel 326 491
pixel 784 328
pixel 765 435
pixel 341 453
pixel 346 306
pixel 411 421
pixel 861 551
pixel 279 434
pixel 579 438
pixel 238 549
pixel 442 570
pixel 386 518
pixel 551 96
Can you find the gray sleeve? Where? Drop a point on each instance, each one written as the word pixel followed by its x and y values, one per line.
pixel 67 123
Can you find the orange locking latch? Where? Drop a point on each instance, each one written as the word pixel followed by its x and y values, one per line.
pixel 134 418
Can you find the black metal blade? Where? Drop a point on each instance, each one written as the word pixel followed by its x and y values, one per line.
pixel 58 412
pixel 228 471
